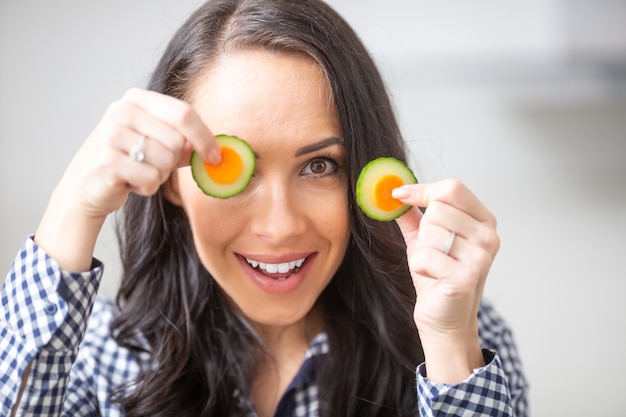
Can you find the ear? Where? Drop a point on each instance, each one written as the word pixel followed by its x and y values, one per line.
pixel 171 190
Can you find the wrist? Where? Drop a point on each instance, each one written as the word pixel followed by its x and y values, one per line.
pixel 68 235
pixel 451 359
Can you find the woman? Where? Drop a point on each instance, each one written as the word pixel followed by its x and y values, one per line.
pixel 284 300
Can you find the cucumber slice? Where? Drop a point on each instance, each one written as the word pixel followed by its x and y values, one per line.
pixel 232 175
pixel 375 183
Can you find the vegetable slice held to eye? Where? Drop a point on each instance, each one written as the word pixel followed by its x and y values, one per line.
pixel 229 177
pixel 375 183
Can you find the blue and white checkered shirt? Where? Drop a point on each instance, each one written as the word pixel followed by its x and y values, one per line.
pixel 75 366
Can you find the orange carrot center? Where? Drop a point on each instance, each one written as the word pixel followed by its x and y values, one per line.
pixel 227 171
pixel 382 192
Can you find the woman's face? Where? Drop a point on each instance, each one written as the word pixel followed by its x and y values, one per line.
pixel 274 247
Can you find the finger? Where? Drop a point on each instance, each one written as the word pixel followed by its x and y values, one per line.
pixel 451 192
pixel 454 246
pixel 428 265
pixel 431 263
pixel 118 171
pixel 143 180
pixel 133 117
pixel 441 239
pixel 157 155
pixel 122 141
pixel 182 117
pixel 409 223
pixel 452 219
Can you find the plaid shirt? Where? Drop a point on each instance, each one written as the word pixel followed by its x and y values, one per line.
pixel 74 366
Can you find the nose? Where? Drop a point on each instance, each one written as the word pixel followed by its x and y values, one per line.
pixel 278 218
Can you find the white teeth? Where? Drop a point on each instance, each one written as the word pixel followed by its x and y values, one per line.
pixel 282 268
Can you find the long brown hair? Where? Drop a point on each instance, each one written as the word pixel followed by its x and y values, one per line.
pixel 202 349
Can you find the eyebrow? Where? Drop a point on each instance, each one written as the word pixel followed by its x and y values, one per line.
pixel 314 147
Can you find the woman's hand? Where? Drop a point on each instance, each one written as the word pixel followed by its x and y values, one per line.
pixel 102 173
pixel 449 285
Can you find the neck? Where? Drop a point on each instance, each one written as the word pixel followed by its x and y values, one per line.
pixel 286 346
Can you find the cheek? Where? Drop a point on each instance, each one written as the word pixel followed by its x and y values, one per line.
pixel 329 212
pixel 213 221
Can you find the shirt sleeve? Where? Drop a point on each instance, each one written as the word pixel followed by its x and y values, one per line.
pixel 485 392
pixel 43 318
pixel 498 389
pixel 495 334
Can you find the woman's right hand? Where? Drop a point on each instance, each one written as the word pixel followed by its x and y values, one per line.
pixel 102 174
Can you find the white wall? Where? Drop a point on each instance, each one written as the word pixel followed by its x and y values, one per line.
pixel 513 97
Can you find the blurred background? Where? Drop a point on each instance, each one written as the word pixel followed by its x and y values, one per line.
pixel 524 101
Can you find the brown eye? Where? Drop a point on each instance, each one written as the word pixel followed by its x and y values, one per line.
pixel 318 166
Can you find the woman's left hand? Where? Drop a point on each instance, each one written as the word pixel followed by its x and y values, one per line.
pixel 448 279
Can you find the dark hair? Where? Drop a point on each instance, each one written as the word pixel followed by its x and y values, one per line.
pixel 201 348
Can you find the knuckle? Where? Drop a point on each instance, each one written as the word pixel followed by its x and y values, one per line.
pixel 119 112
pixel 178 141
pixel 482 263
pixel 170 162
pixel 417 261
pixel 110 132
pixel 149 189
pixel 453 186
pixel 490 239
pixel 432 211
pixel 153 189
pixel 428 234
pixel 153 178
pixel 131 93
pixel 495 242
pixel 164 176
pixel 476 271
pixel 439 213
pixel 177 145
pixel 116 109
pixel 492 220
pixel 183 113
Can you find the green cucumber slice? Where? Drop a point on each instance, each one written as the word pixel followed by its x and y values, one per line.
pixel 232 175
pixel 375 183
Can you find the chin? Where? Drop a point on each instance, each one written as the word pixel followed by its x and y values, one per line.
pixel 276 315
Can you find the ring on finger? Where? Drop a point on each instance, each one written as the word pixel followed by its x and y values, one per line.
pixel 448 243
pixel 137 153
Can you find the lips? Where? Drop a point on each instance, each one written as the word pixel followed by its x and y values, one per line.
pixel 277 275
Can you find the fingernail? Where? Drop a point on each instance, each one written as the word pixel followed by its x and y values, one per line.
pixel 215 157
pixel 400 193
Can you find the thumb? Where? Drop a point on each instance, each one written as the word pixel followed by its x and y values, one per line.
pixel 185 156
pixel 409 223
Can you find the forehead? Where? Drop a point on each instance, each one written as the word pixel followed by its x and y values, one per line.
pixel 262 87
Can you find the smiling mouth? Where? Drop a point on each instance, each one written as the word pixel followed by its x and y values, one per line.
pixel 280 271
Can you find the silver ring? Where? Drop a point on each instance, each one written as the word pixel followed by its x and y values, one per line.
pixel 136 153
pixel 449 242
